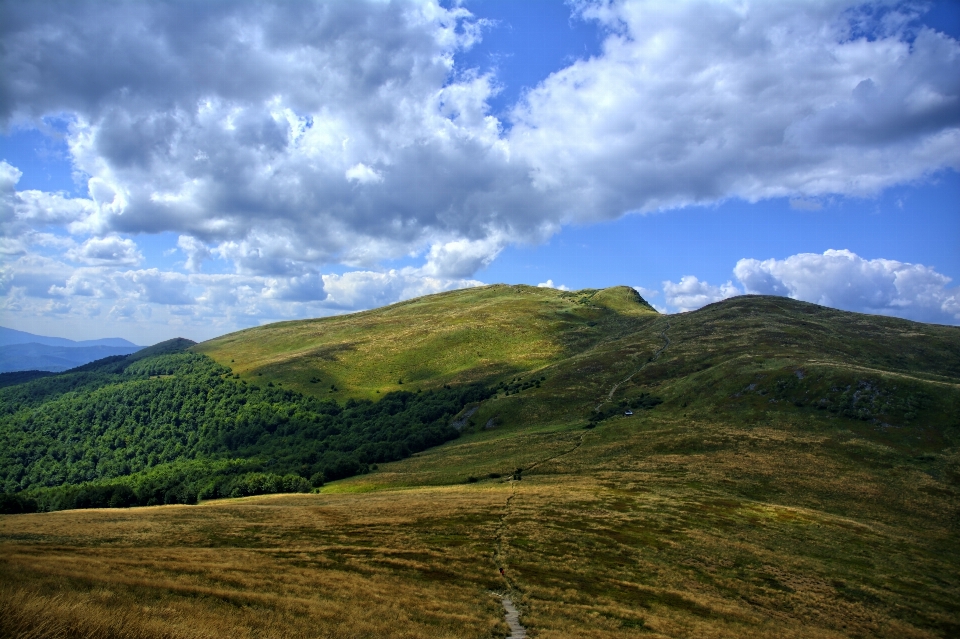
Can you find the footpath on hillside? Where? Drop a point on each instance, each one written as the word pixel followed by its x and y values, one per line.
pixel 511 613
pixel 512 617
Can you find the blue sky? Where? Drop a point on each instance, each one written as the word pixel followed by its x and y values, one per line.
pixel 189 170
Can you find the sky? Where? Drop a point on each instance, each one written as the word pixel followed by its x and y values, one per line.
pixel 189 169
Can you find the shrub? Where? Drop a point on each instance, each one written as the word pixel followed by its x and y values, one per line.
pixel 13 504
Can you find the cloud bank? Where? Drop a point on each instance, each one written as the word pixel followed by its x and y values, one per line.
pixel 839 279
pixel 286 139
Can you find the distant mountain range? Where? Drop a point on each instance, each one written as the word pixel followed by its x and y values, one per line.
pixel 22 351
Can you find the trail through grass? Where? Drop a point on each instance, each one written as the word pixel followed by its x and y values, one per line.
pixel 653 358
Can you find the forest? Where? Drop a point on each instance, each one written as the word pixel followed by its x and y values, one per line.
pixel 177 427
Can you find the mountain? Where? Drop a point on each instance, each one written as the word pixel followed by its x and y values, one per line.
pixel 24 351
pixel 760 467
pixel 280 393
pixel 484 334
pixel 9 336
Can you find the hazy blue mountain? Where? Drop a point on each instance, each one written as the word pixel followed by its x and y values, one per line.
pixel 9 336
pixel 22 351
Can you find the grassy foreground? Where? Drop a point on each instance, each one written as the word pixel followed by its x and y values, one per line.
pixel 801 478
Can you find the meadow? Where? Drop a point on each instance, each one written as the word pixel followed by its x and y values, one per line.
pixel 666 527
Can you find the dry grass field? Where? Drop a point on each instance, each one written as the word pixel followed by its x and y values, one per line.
pixel 391 564
pixel 620 532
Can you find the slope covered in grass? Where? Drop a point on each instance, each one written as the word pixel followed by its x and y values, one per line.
pixel 471 335
pixel 788 471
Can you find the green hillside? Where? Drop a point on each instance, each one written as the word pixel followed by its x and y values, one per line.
pixel 170 426
pixel 302 397
pixel 473 335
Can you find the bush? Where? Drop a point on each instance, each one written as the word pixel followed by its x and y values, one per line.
pixel 295 484
pixel 14 504
pixel 123 497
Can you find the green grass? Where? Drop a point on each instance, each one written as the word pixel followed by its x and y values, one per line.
pixel 480 334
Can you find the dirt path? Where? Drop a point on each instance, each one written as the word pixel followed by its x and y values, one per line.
pixel 511 614
pixel 512 617
pixel 656 355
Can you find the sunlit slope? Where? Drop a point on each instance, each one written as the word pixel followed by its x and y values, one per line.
pixel 562 355
pixel 479 334
pixel 748 360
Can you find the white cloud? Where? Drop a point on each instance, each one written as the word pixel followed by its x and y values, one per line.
pixel 107 251
pixel 462 258
pixel 367 289
pixel 9 176
pixel 153 286
pixel 202 304
pixel 269 149
pixel 690 293
pixel 304 288
pixel 696 101
pixel 844 280
pixel 837 278
pixel 550 284
pixel 39 207
pixel 23 211
pixel 363 174
pixel 195 250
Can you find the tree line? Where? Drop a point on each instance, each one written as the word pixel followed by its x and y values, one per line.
pixel 178 427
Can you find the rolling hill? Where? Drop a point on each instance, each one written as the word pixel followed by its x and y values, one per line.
pixel 760 467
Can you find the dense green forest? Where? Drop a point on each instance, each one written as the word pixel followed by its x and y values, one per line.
pixel 176 426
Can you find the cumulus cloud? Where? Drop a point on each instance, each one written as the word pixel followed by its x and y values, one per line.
pixel 153 286
pixel 842 279
pixel 304 288
pixel 195 250
pixel 462 258
pixel 261 149
pixel 550 284
pixel 369 289
pixel 205 304
pixel 22 212
pixel 838 279
pixel 363 174
pixel 693 102
pixel 690 293
pixel 107 251
pixel 344 133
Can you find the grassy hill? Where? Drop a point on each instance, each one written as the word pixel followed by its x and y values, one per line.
pixel 788 471
pixel 478 334
pixel 583 342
